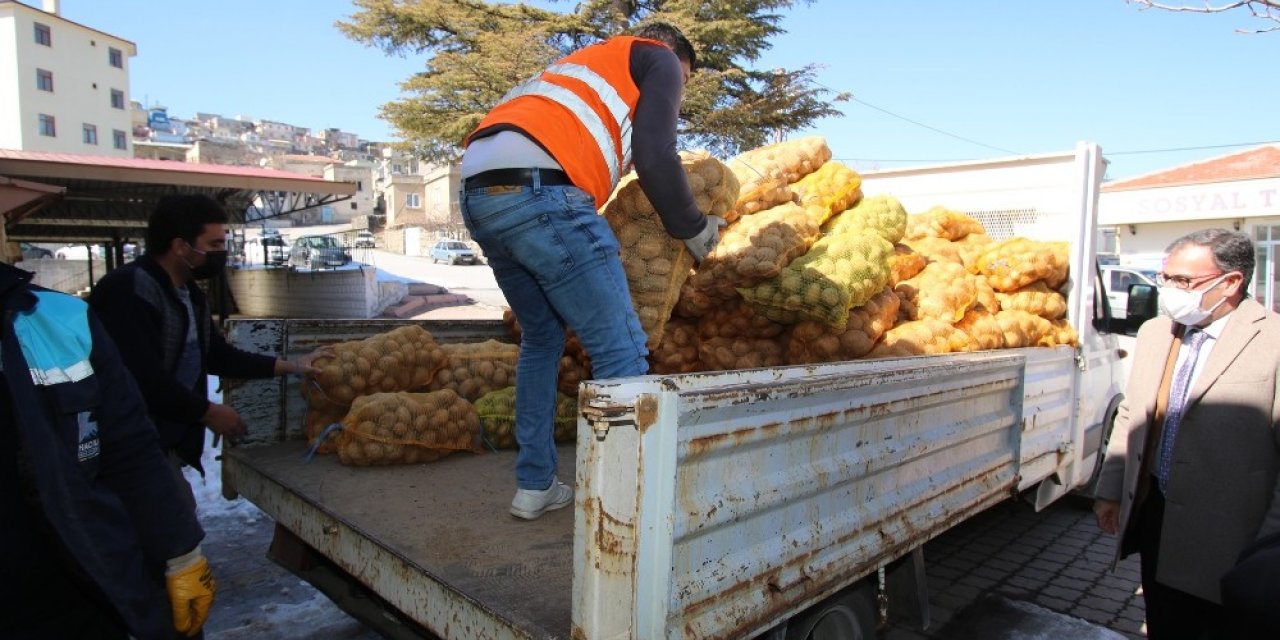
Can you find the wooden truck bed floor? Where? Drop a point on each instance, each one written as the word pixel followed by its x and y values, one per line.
pixel 447 519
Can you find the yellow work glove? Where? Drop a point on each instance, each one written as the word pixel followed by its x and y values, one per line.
pixel 191 588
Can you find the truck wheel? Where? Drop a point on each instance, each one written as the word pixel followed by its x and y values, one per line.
pixel 848 615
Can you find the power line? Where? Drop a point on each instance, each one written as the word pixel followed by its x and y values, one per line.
pixel 921 124
pixel 1212 146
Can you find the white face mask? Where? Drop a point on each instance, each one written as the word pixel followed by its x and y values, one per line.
pixel 1184 306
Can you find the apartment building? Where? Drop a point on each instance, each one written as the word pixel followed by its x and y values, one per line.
pixel 64 86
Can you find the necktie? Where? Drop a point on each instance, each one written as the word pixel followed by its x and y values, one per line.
pixel 1177 404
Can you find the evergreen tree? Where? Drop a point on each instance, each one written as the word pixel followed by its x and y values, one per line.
pixel 478 50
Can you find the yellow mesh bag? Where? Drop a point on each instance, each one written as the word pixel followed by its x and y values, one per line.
pixel 764 173
pixel 751 250
pixel 1017 262
pixel 401 359
pixel 1061 333
pixel 904 263
pixel 724 354
pixel 840 272
pixel 656 264
pixel 736 319
pixel 496 411
pixel 1035 298
pixel 833 188
pixel 816 342
pixel 677 352
pixel 943 291
pixel 983 329
pixel 970 247
pixel 940 222
pixel 407 428
pixel 922 337
pixel 882 214
pixel 936 249
pixel 476 368
pixel 987 298
pixel 1022 329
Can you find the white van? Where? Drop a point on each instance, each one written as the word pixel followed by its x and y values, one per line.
pixel 1117 279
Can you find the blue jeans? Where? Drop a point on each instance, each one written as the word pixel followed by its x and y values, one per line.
pixel 556 261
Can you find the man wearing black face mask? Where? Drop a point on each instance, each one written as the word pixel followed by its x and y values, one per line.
pixel 160 320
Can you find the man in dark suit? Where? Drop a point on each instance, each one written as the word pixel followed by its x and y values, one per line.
pixel 1189 478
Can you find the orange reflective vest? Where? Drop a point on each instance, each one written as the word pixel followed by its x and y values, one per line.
pixel 579 109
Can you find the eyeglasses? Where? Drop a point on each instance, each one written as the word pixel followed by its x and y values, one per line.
pixel 1183 282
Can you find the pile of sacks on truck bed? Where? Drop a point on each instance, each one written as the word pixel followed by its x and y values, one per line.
pixel 807 271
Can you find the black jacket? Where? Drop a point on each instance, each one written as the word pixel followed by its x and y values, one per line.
pixel 87 493
pixel 141 310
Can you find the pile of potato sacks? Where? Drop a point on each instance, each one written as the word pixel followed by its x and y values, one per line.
pixel 807 271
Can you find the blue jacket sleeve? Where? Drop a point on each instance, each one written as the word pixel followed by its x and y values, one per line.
pixel 132 463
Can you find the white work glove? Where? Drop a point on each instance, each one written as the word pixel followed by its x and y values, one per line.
pixel 707 239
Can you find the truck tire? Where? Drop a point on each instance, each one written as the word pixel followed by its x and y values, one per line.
pixel 847 615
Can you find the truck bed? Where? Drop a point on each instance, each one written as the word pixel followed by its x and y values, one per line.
pixel 501 577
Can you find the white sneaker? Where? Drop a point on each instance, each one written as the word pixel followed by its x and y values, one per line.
pixel 531 503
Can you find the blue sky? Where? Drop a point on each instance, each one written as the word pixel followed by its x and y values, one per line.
pixel 979 79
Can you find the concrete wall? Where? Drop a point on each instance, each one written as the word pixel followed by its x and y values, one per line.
pixel 286 293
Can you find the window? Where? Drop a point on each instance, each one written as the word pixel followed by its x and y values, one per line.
pixel 412 200
pixel 359 185
pixel 115 57
pixel 353 206
pixel 90 134
pixel 119 140
pixel 43 35
pixel 44 80
pixel 117 99
pixel 47 126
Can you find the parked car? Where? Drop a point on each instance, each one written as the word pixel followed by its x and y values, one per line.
pixel 318 252
pixel 364 240
pixel 32 252
pixel 452 252
pixel 274 249
pixel 1117 280
pixel 79 252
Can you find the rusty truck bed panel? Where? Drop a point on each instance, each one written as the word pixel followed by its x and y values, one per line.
pixel 434 539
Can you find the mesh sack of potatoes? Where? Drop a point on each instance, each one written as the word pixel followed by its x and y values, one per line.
pixel 407 428
pixel 905 263
pixel 987 298
pixel 943 290
pixel 496 411
pixel 972 246
pixel 473 369
pixel 766 173
pixel 736 319
pixel 695 302
pixel 575 365
pixel 677 352
pixel 936 249
pixel 921 337
pixel 752 249
pixel 817 342
pixel 940 222
pixel 982 328
pixel 1060 332
pixel 723 354
pixel 401 359
pixel 831 189
pixel 882 214
pixel 1017 262
pixel 1035 298
pixel 655 263
pixel 840 272
pixel 1022 328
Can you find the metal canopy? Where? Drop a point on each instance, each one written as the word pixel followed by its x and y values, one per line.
pixel 109 199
